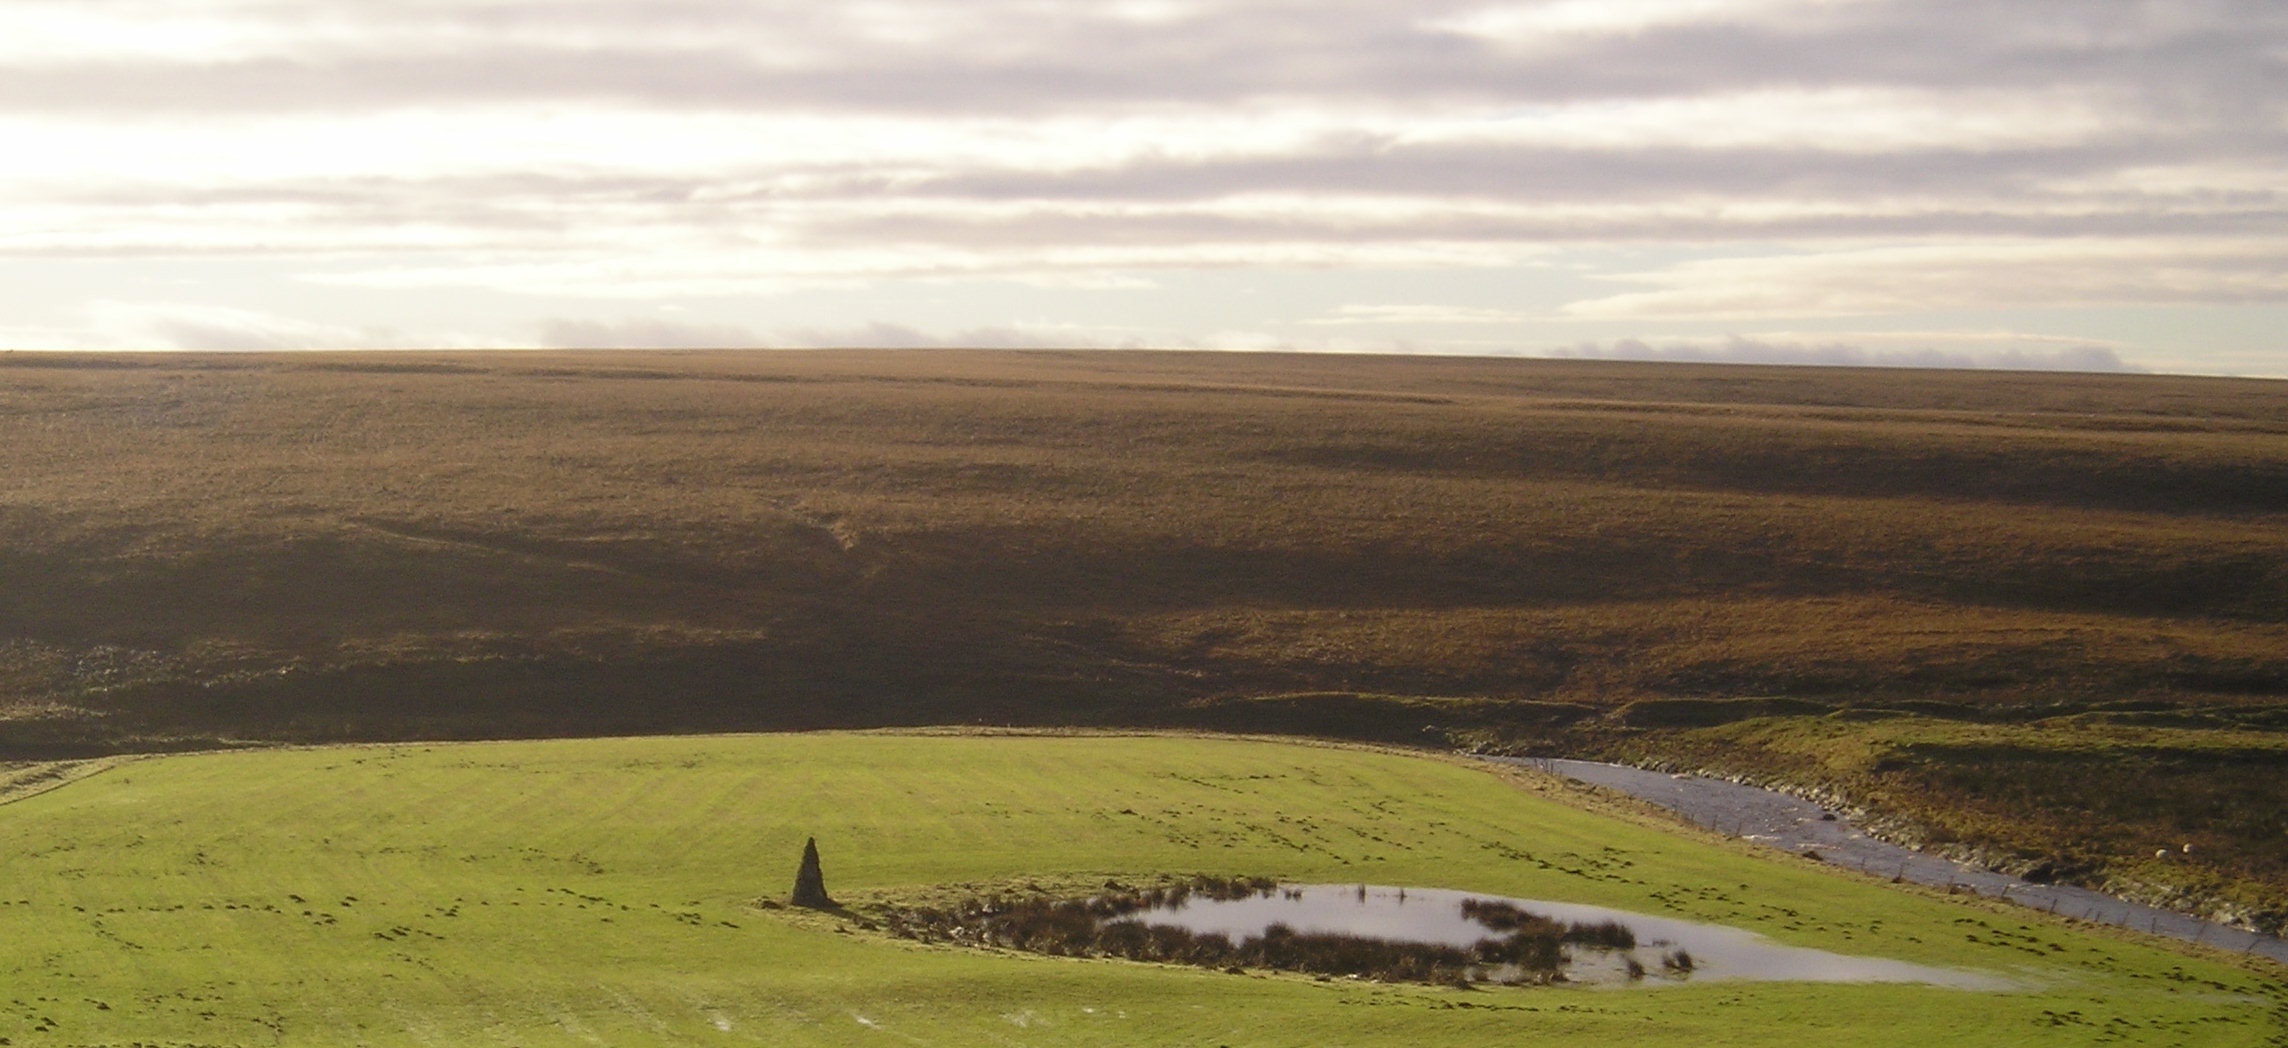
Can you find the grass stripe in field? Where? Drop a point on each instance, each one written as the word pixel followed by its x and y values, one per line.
pixel 598 891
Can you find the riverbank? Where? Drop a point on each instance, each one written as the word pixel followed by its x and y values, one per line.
pixel 1803 827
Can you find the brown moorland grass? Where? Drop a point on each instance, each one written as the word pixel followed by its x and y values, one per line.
pixel 1102 531
pixel 199 549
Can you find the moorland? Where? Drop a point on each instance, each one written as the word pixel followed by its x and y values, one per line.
pixel 2040 619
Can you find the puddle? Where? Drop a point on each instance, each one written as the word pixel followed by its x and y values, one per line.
pixel 1437 916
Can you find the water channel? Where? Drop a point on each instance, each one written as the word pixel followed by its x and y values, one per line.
pixel 1794 824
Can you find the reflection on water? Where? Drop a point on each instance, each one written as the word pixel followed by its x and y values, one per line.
pixel 1434 915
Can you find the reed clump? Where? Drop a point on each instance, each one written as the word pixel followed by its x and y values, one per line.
pixel 1509 917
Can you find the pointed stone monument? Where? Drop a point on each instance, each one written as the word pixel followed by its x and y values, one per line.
pixel 809 883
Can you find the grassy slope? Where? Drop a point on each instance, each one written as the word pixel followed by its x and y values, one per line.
pixel 598 891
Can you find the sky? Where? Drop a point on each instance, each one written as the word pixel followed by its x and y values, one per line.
pixel 2083 185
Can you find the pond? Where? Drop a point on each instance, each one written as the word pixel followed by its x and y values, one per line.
pixel 1438 916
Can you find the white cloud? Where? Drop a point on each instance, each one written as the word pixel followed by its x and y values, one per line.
pixel 699 272
pixel 1555 21
pixel 1966 339
pixel 881 335
pixel 1853 157
pixel 650 333
pixel 1955 275
pixel 1418 314
pixel 54 33
pixel 1814 121
pixel 199 326
pixel 1738 350
pixel 567 333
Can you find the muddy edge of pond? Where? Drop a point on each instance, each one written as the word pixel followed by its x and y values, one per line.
pixel 1115 921
pixel 1793 824
pixel 1608 947
pixel 1386 934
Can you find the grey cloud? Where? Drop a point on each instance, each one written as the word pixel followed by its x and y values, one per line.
pixel 1525 172
pixel 2193 82
pixel 1999 195
pixel 2191 60
pixel 1839 354
pixel 2183 83
pixel 1365 165
pixel 1082 229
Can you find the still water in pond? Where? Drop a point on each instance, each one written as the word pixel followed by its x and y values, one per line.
pixel 1432 915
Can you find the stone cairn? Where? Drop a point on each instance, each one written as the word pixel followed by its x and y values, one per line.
pixel 809 883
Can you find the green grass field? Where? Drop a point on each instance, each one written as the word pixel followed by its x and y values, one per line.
pixel 601 892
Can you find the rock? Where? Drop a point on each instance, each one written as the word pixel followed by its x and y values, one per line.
pixel 809 883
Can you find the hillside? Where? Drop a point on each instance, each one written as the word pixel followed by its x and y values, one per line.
pixel 345 546
pixel 1592 556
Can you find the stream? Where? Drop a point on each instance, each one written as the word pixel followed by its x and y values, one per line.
pixel 1797 825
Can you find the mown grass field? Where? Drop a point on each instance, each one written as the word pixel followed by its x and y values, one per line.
pixel 601 891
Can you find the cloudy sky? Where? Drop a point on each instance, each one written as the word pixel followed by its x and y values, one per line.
pixel 2086 184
